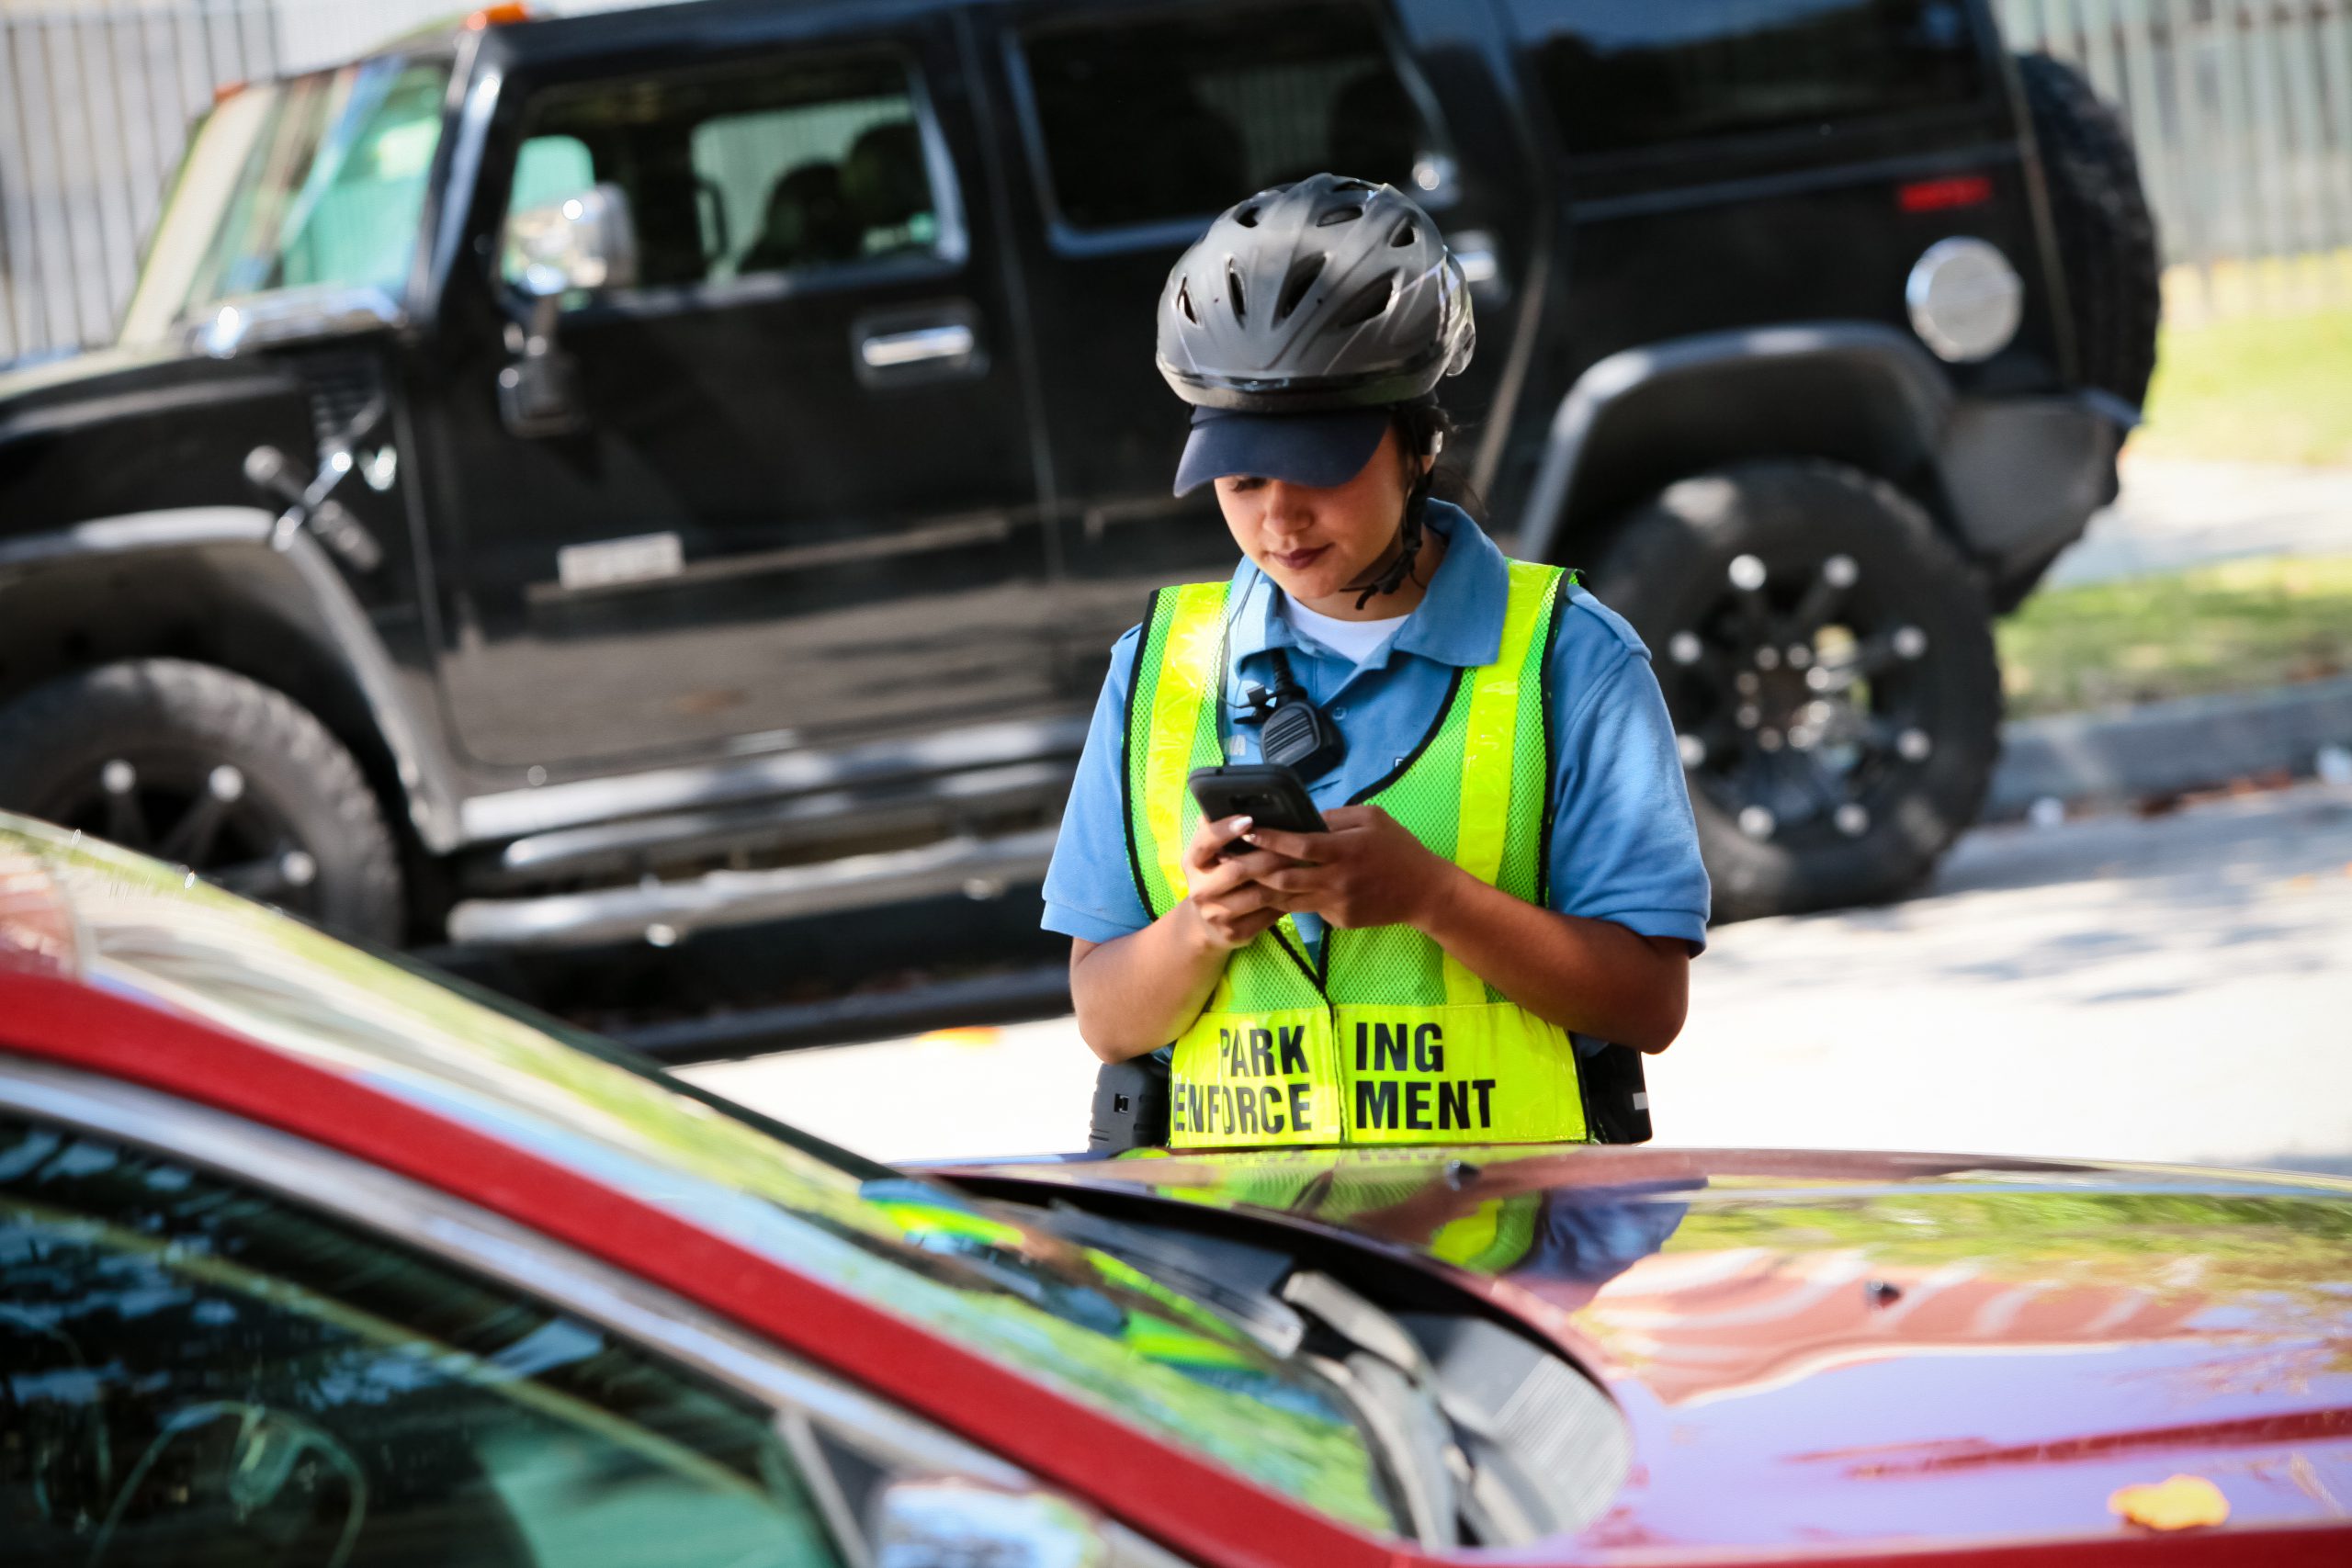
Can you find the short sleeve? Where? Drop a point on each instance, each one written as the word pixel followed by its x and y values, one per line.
pixel 1624 845
pixel 1090 889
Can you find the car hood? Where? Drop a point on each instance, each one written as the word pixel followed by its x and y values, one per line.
pixel 1813 1347
pixel 119 431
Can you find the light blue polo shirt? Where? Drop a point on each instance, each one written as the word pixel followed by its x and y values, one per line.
pixel 1624 846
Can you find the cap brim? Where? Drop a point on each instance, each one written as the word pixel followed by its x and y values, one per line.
pixel 1318 450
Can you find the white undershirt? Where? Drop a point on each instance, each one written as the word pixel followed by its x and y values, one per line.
pixel 1354 641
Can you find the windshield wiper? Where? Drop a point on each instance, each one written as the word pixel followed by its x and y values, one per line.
pixel 1236 1280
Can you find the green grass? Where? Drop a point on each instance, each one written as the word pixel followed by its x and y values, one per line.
pixel 2253 389
pixel 2237 625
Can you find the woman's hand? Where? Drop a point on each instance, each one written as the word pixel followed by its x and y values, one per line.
pixel 1230 902
pixel 1368 870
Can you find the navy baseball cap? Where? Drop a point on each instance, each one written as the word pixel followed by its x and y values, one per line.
pixel 1315 450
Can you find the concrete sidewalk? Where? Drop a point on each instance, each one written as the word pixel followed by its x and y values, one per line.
pixel 2173 514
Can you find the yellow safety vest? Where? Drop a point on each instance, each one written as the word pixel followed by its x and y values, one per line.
pixel 1389 1039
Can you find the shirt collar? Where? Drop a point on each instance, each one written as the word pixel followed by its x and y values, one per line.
pixel 1459 621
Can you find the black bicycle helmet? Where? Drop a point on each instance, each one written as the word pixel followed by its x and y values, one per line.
pixel 1328 294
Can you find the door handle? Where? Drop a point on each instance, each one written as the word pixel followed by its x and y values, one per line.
pixel 892 350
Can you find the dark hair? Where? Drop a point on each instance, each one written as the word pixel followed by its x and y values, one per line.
pixel 1423 425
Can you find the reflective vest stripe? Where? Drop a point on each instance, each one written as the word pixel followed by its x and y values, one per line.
pixel 1489 753
pixel 1183 644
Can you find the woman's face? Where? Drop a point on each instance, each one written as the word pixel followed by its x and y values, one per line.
pixel 1314 542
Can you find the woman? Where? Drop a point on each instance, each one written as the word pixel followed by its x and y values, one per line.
pixel 1510 860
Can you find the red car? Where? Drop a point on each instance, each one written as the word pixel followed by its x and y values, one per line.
pixel 310 1259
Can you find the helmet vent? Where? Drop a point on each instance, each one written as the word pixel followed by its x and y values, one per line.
pixel 1304 272
pixel 1247 218
pixel 1184 301
pixel 1405 235
pixel 1368 304
pixel 1338 215
pixel 1351 185
pixel 1234 291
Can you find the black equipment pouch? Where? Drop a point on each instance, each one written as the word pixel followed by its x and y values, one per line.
pixel 1616 1095
pixel 1130 1105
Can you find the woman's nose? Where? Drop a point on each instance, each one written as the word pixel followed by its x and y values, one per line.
pixel 1287 508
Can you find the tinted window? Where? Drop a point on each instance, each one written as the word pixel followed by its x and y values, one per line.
pixel 195 1374
pixel 1183 116
pixel 777 169
pixel 1634 73
pixel 331 190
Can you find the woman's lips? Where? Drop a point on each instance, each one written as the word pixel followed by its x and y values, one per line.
pixel 1297 560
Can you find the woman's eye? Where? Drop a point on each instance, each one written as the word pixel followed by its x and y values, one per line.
pixel 1239 482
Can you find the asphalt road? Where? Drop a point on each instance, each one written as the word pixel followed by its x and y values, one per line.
pixel 2170 988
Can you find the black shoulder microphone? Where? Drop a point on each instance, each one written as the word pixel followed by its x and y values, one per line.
pixel 1293 732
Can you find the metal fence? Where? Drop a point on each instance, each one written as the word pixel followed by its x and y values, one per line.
pixel 2242 110
pixel 97 103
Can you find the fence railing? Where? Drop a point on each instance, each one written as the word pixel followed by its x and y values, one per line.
pixel 94 107
pixel 2242 114
pixel 2242 110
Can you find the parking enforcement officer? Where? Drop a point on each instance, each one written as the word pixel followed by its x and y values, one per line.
pixel 1510 859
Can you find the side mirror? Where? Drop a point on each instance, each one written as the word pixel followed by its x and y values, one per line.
pixel 955 1524
pixel 585 240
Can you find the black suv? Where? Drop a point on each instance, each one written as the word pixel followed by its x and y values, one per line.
pixel 588 479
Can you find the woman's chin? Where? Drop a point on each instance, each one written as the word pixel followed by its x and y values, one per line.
pixel 1310 586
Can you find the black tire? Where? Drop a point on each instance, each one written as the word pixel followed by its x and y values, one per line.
pixel 2106 233
pixel 1870 752
pixel 138 751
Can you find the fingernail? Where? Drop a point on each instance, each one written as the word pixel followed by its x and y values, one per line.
pixel 1242 825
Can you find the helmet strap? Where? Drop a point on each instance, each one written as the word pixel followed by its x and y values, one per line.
pixel 1409 548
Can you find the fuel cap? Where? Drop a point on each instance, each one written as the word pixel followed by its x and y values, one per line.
pixel 1966 298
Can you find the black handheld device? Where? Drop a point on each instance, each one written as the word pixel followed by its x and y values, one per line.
pixel 1270 794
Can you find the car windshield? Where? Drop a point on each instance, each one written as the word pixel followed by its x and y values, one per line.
pixel 316 181
pixel 1074 1317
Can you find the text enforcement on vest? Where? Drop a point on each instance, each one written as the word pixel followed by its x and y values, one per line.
pixel 1425 1104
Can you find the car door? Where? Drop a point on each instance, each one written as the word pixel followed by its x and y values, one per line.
pixel 797 505
pixel 1135 126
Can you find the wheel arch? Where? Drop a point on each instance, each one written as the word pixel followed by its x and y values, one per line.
pixel 1853 392
pixel 213 584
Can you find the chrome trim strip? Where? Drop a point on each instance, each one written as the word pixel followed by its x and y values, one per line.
pixel 510 814
pixel 665 911
pixel 892 350
pixel 291 315
pixel 947 534
pixel 802 816
pixel 1607 380
pixel 424 772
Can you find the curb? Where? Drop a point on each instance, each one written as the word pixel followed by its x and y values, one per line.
pixel 2167 747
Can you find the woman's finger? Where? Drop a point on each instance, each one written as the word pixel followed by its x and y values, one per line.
pixel 1254 865
pixel 1211 838
pixel 1296 846
pixel 1219 877
pixel 1246 899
